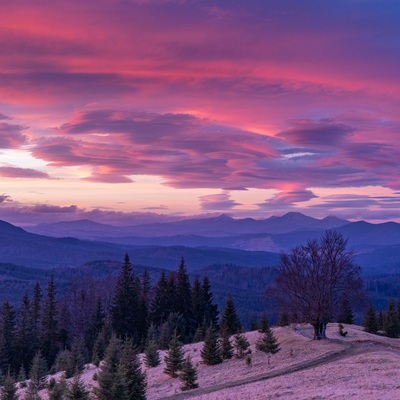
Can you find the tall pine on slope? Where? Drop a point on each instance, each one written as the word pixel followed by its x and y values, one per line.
pixel 230 320
pixel 76 390
pixel 184 305
pixel 210 308
pixel 124 309
pixel 131 373
pixel 174 358
pixel 346 315
pixel 36 312
pixel 158 310
pixel 9 389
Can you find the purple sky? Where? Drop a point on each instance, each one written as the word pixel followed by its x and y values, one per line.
pixel 132 110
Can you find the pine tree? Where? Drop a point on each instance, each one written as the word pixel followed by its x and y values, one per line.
pixel 57 392
pixel 152 355
pixel 131 372
pixel 49 324
pixel 230 320
pixel 125 305
pixel 9 390
pixel 370 322
pixel 37 376
pixel 24 338
pixel 226 345
pixel 159 311
pixel 36 316
pixel 211 351
pixel 346 315
pixel 174 357
pixel 188 376
pixel 284 318
pixel 210 308
pixel 95 326
pixel 263 325
pixel 392 324
pixel 107 377
pixel 76 390
pixel 7 338
pixel 198 307
pixel 241 345
pixel 267 343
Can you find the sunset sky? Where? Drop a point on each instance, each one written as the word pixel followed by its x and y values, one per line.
pixel 128 110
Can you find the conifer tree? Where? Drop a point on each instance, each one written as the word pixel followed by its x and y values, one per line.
pixel 57 392
pixel 174 357
pixel 392 324
pixel 24 334
pixel 226 345
pixel 95 326
pixel 263 325
pixel 283 318
pixel 9 389
pixel 370 321
pixel 36 312
pixel 159 311
pixel 267 343
pixel 346 315
pixel 381 320
pixel 108 378
pixel 37 376
pixel 7 338
pixel 125 305
pixel 76 390
pixel 198 306
pixel 241 345
pixel 210 308
pixel 130 370
pixel 211 351
pixel 152 355
pixel 230 320
pixel 49 324
pixel 188 376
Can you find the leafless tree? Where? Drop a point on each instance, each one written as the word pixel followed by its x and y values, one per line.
pixel 312 278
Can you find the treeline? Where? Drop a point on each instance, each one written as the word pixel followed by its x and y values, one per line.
pixel 80 325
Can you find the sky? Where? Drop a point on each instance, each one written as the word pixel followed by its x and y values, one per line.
pixel 125 111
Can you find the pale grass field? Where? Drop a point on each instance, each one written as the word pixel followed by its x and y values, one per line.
pixel 372 375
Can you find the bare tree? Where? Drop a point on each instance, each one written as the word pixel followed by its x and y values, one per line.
pixel 312 278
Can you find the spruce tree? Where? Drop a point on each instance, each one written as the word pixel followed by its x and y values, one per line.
pixel 24 338
pixel 370 321
pixel 392 324
pixel 230 320
pixel 174 358
pixel 263 325
pixel 95 326
pixel 211 351
pixel 9 389
pixel 37 376
pixel 152 355
pixel 188 376
pixel 125 305
pixel 346 315
pixel 226 345
pixel 7 338
pixel 283 318
pixel 159 311
pixel 49 324
pixel 198 307
pixel 76 390
pixel 267 343
pixel 36 316
pixel 210 308
pixel 57 392
pixel 108 374
pixel 241 345
pixel 130 370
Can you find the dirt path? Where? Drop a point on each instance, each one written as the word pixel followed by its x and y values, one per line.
pixel 349 350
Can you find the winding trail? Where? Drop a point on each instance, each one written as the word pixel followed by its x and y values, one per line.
pixel 349 349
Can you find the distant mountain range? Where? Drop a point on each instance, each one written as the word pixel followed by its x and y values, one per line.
pixel 202 242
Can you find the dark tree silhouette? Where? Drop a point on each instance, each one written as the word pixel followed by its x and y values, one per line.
pixel 230 320
pixel 188 376
pixel 9 389
pixel 211 351
pixel 174 358
pixel 312 278
pixel 370 321
pixel 7 337
pixel 391 325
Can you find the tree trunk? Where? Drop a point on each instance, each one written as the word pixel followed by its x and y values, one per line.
pixel 319 330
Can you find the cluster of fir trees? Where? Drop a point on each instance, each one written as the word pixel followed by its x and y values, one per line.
pixel 385 322
pixel 69 332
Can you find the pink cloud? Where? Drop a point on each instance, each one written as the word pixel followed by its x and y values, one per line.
pixel 16 172
pixel 11 136
pixel 213 202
